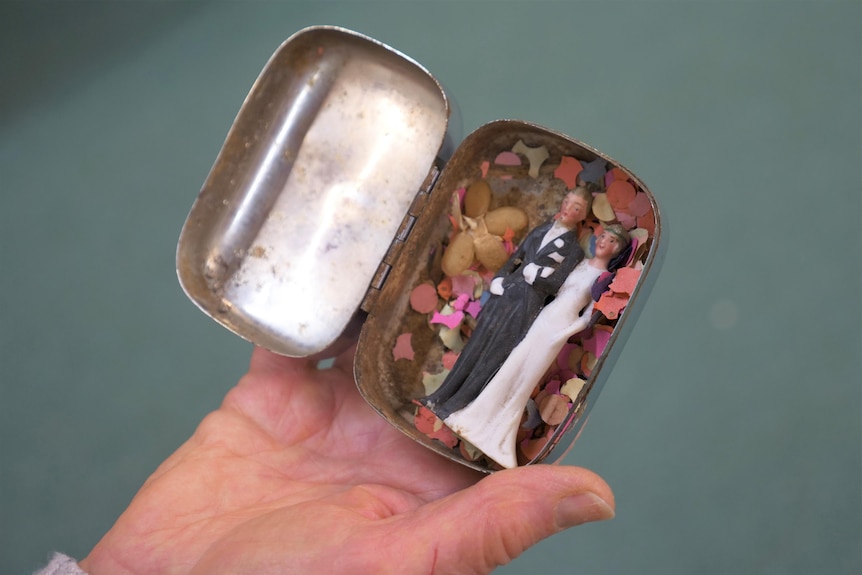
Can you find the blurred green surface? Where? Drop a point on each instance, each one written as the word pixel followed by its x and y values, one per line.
pixel 730 428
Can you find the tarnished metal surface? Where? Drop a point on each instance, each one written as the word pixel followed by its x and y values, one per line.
pixel 312 183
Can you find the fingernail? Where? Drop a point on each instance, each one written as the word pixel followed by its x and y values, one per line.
pixel 582 508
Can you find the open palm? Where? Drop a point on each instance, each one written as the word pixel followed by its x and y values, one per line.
pixel 295 473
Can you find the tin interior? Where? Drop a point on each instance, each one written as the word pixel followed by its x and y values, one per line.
pixel 391 385
pixel 312 183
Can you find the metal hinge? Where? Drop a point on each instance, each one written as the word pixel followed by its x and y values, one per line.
pixel 404 230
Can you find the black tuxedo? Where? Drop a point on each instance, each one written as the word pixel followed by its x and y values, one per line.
pixel 505 319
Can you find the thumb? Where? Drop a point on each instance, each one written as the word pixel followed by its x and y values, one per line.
pixel 497 519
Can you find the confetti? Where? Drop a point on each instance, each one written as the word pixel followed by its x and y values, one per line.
pixel 628 221
pixel 620 194
pixel 423 298
pixel 532 418
pixel 449 359
pixel 553 409
pixel 450 320
pixel 573 358
pixel 536 156
pixel 456 300
pixel 463 284
pixel 572 388
pixel 531 448
pixel 593 171
pixel 597 342
pixel 451 338
pixel 553 386
pixel 469 452
pixel 428 423
pixel 602 208
pixel 432 381
pixel 639 206
pixel 625 281
pixel 507 159
pixel 588 362
pixel 615 175
pixel 568 171
pixel 460 302
pixel 647 222
pixel 403 347
pixel 611 305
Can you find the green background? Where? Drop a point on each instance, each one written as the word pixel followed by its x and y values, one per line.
pixel 730 428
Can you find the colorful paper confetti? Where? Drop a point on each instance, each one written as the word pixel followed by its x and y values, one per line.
pixel 403 347
pixel 452 306
pixel 568 171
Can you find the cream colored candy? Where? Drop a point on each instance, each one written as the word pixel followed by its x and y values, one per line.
pixel 505 217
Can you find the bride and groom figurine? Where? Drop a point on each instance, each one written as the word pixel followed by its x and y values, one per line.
pixel 519 334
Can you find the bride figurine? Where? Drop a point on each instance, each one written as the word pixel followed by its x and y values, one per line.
pixel 491 421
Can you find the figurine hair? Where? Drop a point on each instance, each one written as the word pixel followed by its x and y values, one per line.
pixel 583 193
pixel 625 239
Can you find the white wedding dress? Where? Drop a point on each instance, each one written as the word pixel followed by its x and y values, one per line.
pixel 491 421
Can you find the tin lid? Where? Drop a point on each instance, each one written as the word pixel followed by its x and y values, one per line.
pixel 315 176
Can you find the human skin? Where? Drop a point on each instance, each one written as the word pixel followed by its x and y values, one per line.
pixel 295 473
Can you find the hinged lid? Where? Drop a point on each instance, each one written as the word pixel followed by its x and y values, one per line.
pixel 313 181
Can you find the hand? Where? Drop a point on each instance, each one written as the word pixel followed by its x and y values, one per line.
pixel 295 473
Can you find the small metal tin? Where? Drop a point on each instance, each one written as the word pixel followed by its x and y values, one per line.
pixel 330 202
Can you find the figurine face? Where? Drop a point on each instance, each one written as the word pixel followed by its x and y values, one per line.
pixel 573 210
pixel 607 245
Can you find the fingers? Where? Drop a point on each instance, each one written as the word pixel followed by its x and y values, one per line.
pixel 263 360
pixel 497 519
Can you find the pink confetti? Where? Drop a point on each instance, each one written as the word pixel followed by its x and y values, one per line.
pixel 461 193
pixel 553 387
pixel 628 221
pixel 473 308
pixel 568 171
pixel 639 206
pixel 620 194
pixel 507 159
pixel 563 356
pixel 449 359
pixel 445 436
pixel 403 347
pixel 611 305
pixel 463 284
pixel 451 321
pixel 428 423
pixel 424 420
pixel 485 165
pixel 614 175
pixel 566 374
pixel 597 343
pixel 625 280
pixel 460 302
pixel 423 298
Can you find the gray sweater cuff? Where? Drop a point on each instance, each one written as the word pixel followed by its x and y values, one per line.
pixel 60 565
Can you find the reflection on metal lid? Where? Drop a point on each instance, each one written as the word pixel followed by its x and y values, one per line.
pixel 312 183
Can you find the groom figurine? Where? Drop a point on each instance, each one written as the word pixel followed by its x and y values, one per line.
pixel 519 291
